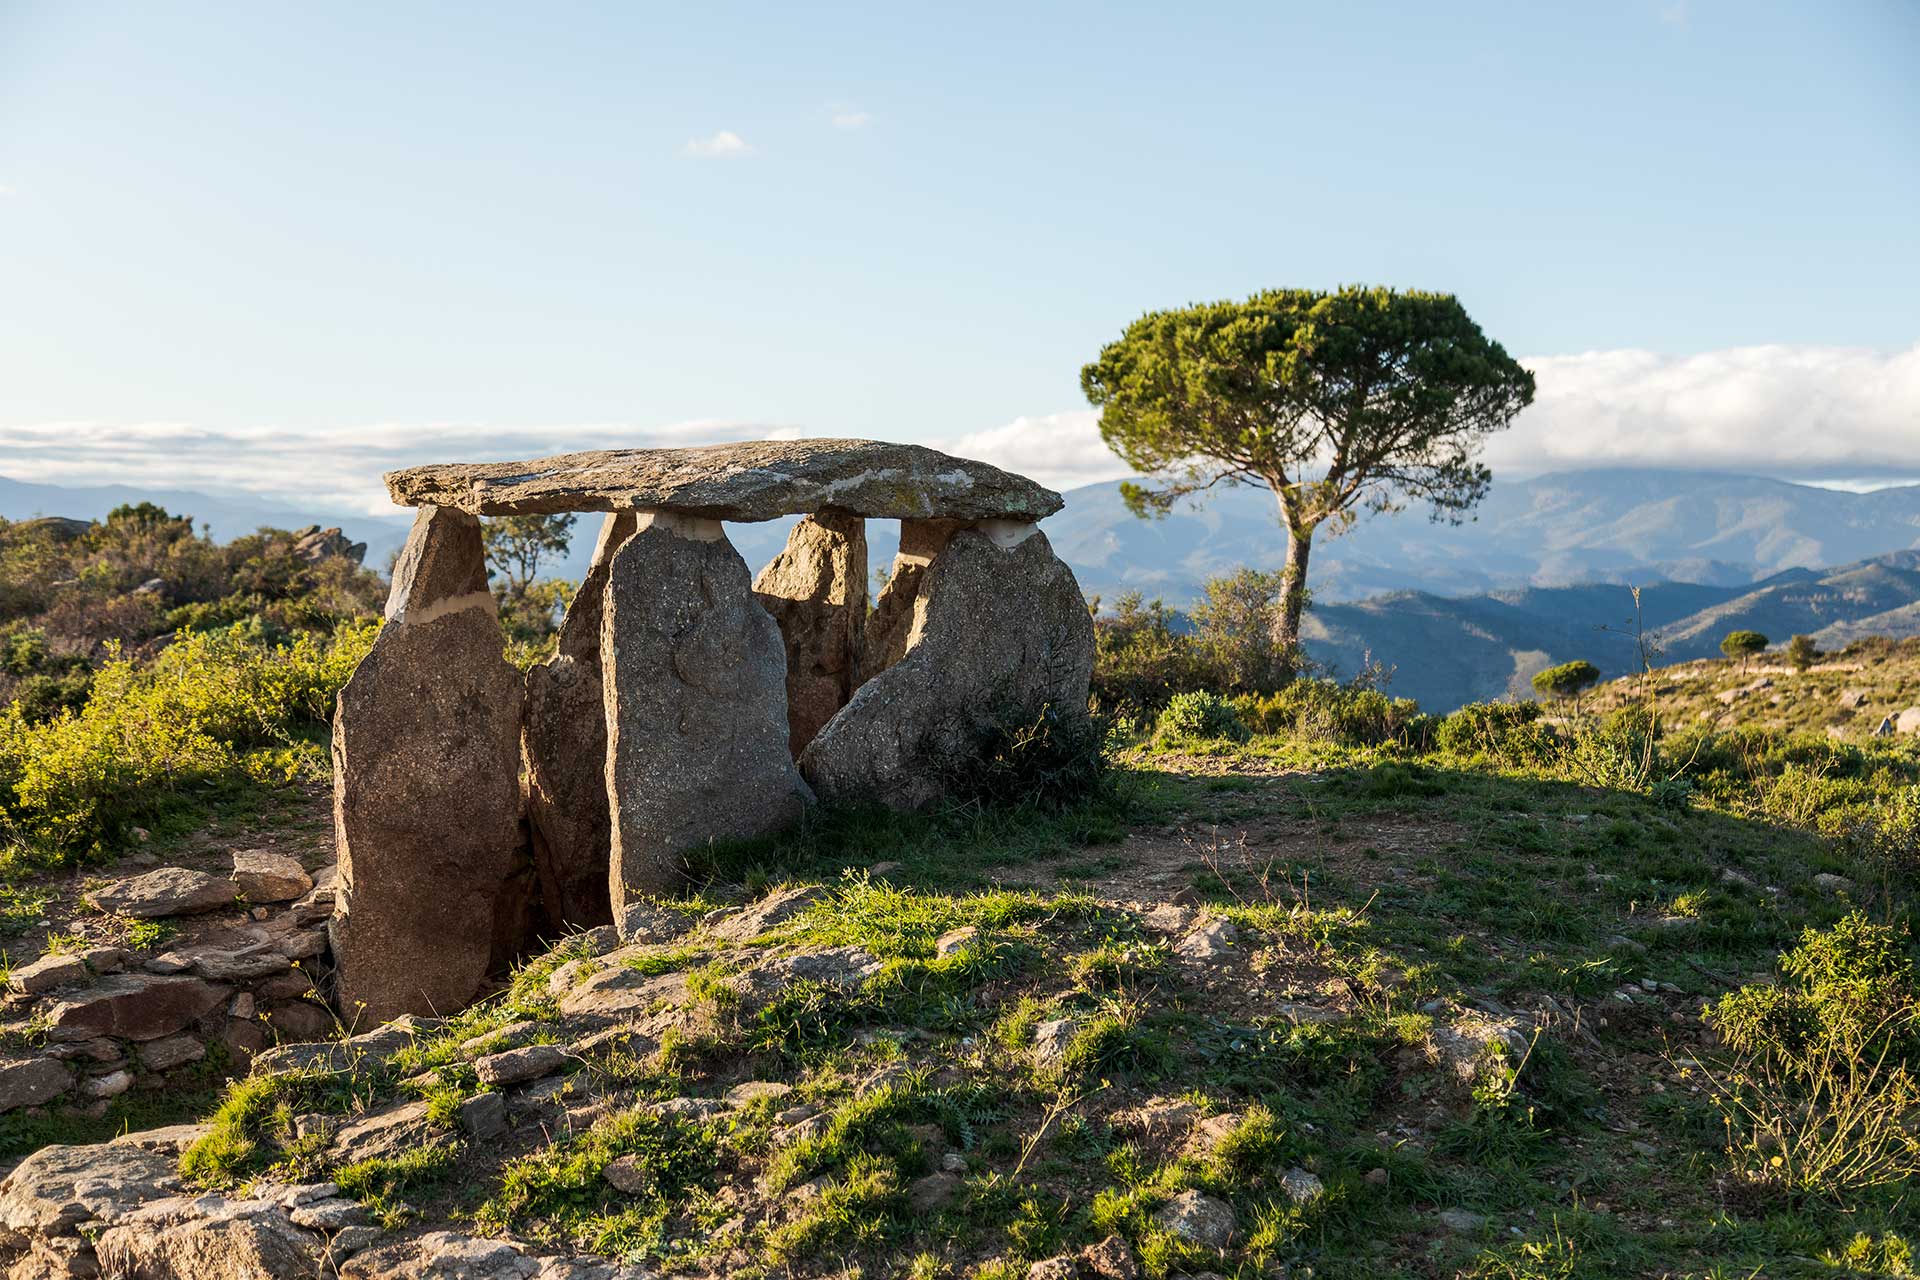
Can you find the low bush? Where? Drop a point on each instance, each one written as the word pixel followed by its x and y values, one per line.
pixel 1329 711
pixel 1509 731
pixel 1051 759
pixel 214 710
pixel 1818 1097
pixel 1200 715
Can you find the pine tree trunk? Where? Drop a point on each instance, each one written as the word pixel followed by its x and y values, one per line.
pixel 1293 594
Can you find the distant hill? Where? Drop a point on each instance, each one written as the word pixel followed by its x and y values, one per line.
pixel 1450 650
pixel 1462 613
pixel 1553 530
pixel 228 515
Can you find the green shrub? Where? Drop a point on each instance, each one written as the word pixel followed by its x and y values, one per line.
pixel 1328 711
pixel 1819 1097
pixel 212 711
pixel 1050 760
pixel 1200 715
pixel 1509 731
pixel 1568 680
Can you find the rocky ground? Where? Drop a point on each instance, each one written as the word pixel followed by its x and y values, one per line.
pixel 1239 1018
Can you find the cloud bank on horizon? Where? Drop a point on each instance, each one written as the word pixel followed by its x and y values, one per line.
pixel 1809 413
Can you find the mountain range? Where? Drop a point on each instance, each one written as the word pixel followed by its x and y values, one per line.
pixel 1460 612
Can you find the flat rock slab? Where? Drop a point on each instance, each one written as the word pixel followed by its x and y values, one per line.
pixel 169 891
pixel 266 876
pixel 751 480
pixel 134 1007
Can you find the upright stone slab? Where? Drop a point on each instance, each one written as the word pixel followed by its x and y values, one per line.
pixel 564 745
pixel 426 788
pixel 695 675
pixel 816 589
pixel 900 610
pixel 999 630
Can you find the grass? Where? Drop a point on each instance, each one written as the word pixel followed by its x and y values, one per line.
pixel 1404 894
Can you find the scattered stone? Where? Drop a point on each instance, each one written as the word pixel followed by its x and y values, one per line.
pixel 1852 699
pixel 209 1239
pixel 1462 1220
pixel 748 481
pixel 104 959
pixel 688 1108
pixel 1199 1219
pixel 955 941
pixel 628 1175
pixel 48 972
pixel 1214 1130
pixel 518 1065
pixel 169 891
pixel 769 912
pixel 442 1255
pixel 1052 1039
pixel 1302 1187
pixel 1907 721
pixel 110 1085
pixel 28 1082
pixel 998 629
pixel 300 1020
pixel 881 870
pixel 953 1162
pixel 1164 1121
pixel 1169 917
pixel 266 876
pixel 507 1037
pixel 329 1215
pixel 134 1007
pixel 927 1194
pixel 1829 883
pixel 484 1115
pixel 1111 1259
pixel 1211 941
pixel 816 590
pixel 390 1131
pixel 847 968
pixel 695 687
pixel 644 921
pixel 1057 1268
pixel 171 1139
pixel 752 1091
pixel 1377 1178
pixel 426 751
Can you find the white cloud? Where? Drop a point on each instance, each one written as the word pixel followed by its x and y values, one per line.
pixel 1839 416
pixel 1062 450
pixel 850 119
pixel 724 145
pixel 1801 412
pixel 337 468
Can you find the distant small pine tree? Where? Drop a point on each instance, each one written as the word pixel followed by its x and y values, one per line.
pixel 1568 680
pixel 1743 645
pixel 1802 652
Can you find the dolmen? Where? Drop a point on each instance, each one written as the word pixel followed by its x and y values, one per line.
pixel 477 809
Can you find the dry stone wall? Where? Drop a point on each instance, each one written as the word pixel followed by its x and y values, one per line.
pixel 688 702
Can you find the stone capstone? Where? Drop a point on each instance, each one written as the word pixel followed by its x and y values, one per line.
pixel 695 687
pixel 168 891
pixel 564 745
pixel 749 480
pixel 1000 635
pixel 432 882
pixel 816 589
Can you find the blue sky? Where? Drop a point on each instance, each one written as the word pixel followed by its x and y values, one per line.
pixel 247 231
